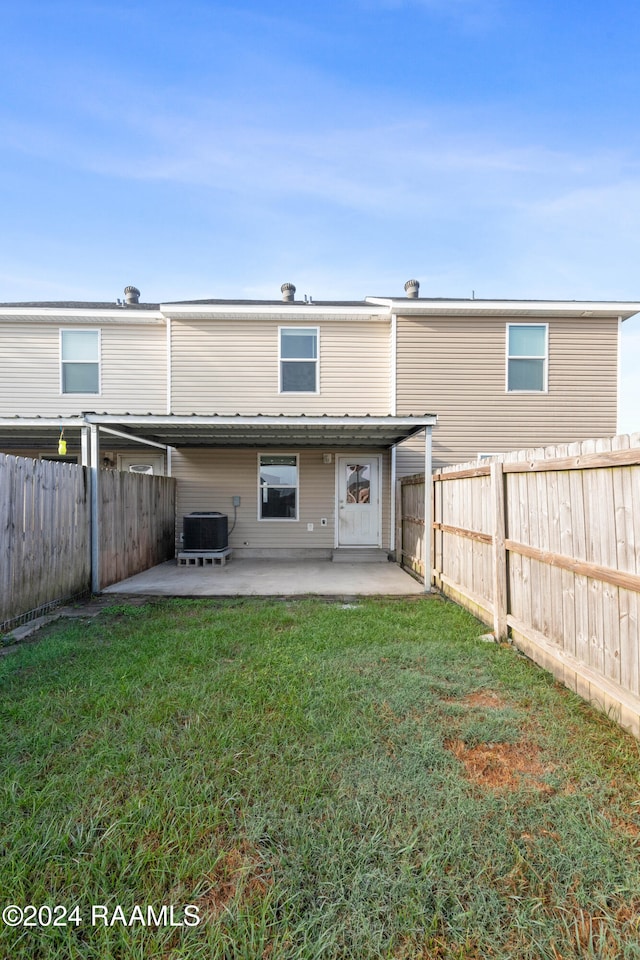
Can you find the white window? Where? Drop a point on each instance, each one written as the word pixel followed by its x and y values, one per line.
pixel 80 361
pixel 277 487
pixel 298 360
pixel 527 351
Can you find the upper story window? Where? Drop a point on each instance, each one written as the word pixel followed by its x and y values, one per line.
pixel 527 352
pixel 298 360
pixel 80 361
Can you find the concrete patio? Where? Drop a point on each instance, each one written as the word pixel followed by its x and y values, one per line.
pixel 268 578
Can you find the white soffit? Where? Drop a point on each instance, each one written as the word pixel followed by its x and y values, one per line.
pixel 297 312
pixel 510 308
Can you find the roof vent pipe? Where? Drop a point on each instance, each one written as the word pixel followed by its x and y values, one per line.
pixel 288 292
pixel 412 289
pixel 131 295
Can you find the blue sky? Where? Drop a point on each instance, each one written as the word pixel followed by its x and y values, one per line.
pixel 206 149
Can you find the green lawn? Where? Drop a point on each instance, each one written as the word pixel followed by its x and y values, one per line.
pixel 314 780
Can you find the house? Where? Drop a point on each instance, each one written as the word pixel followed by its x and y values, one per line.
pixel 295 417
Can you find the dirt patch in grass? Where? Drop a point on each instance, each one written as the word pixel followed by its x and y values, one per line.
pixel 501 765
pixel 239 875
pixel 623 825
pixel 484 698
pixel 437 948
pixel 479 698
pixel 601 934
pixel 386 713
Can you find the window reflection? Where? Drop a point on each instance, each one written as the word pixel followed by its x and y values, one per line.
pixel 358 482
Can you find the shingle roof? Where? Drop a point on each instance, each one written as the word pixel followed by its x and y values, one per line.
pixel 82 305
pixel 93 305
pixel 269 303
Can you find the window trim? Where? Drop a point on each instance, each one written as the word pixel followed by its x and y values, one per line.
pixel 97 330
pixel 281 360
pixel 279 453
pixel 72 458
pixel 544 357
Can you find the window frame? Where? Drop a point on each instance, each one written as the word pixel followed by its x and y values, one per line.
pixel 280 453
pixel 67 458
pixel 67 393
pixel 544 357
pixel 316 360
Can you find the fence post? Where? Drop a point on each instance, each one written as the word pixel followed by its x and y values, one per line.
pixel 499 552
pixel 436 484
pixel 398 521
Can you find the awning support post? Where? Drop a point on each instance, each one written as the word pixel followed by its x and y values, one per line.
pixel 95 508
pixel 428 510
pixel 392 500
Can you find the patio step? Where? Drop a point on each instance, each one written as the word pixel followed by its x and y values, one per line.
pixel 359 555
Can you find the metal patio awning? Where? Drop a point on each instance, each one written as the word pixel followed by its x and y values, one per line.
pixel 239 430
pixel 263 430
pixel 39 433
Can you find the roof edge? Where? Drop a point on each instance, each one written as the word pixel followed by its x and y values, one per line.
pixel 549 308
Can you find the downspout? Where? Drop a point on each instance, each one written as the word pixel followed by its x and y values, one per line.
pixel 618 376
pixel 393 403
pixel 169 388
pixel 393 374
pixel 84 446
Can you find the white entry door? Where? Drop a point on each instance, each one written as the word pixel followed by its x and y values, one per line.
pixel 358 501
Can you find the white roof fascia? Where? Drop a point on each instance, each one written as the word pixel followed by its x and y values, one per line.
pixel 298 311
pixel 78 421
pixel 81 315
pixel 511 308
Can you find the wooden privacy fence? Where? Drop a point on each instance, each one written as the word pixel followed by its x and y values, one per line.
pixel 45 531
pixel 45 534
pixel 410 524
pixel 545 544
pixel 137 523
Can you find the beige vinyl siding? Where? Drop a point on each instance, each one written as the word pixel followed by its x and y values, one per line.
pixel 133 370
pixel 455 367
pixel 208 479
pixel 226 367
